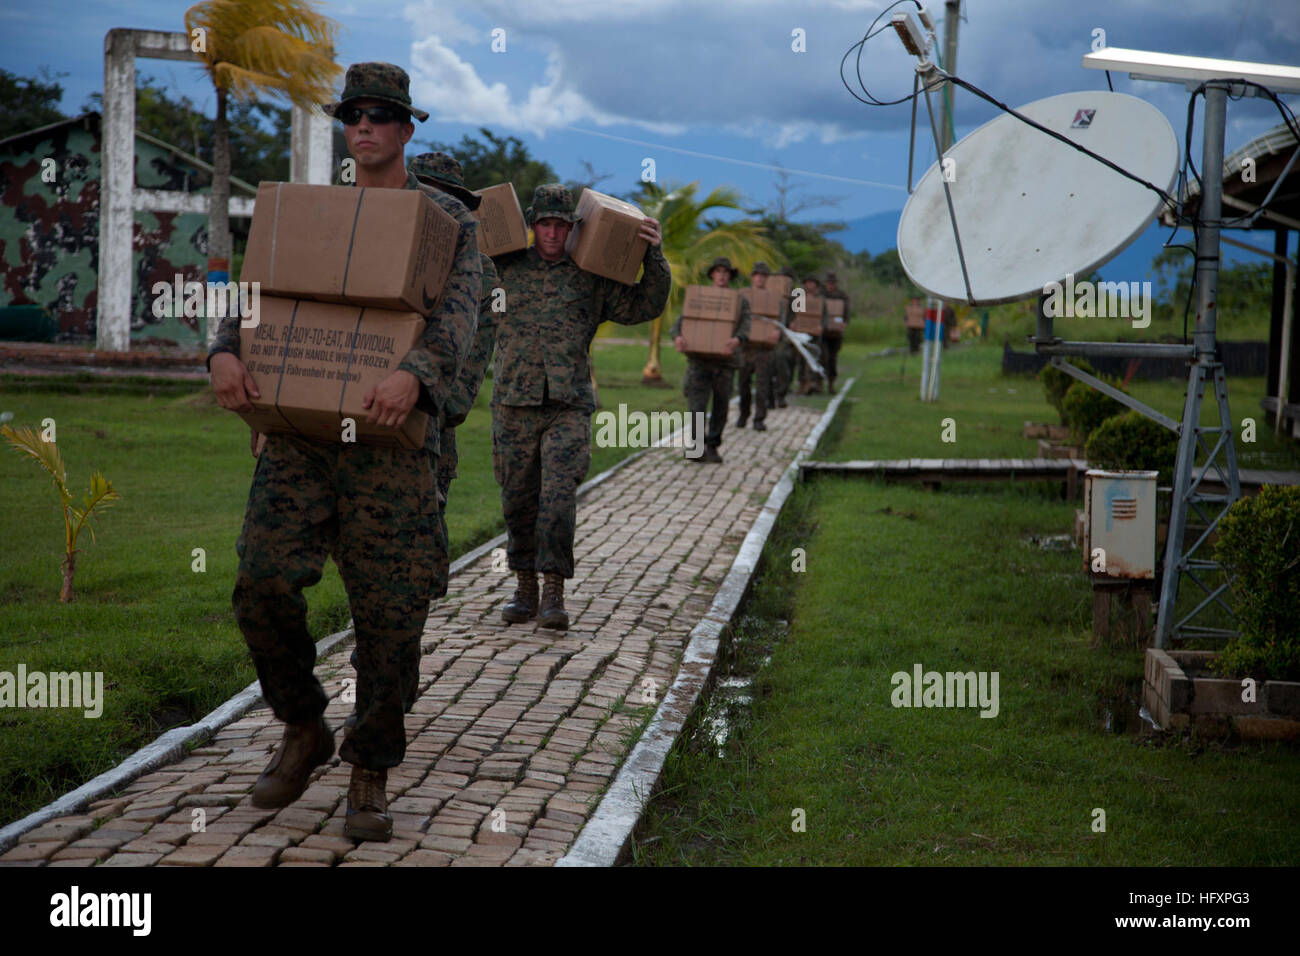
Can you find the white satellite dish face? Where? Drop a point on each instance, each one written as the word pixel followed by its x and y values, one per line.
pixel 1030 208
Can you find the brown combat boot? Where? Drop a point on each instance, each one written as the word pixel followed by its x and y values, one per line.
pixel 367 813
pixel 523 607
pixel 303 748
pixel 553 613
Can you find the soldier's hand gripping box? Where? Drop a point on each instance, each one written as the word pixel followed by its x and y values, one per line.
pixel 313 363
pixel 501 225
pixel 709 317
pixel 382 248
pixel 606 240
pixel 809 318
pixel 834 318
pixel 765 309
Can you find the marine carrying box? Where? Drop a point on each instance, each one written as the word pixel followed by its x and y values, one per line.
pixel 501 224
pixel 313 363
pixel 834 318
pixel 381 248
pixel 709 317
pixel 606 240
pixel 810 319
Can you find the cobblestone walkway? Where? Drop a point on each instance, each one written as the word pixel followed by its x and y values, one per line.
pixel 517 730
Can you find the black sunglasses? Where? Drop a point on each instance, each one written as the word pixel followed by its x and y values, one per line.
pixel 351 115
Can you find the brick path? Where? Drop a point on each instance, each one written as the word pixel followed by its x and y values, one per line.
pixel 517 730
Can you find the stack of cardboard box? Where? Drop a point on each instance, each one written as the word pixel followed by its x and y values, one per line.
pixel 346 277
pixel 709 317
pixel 809 318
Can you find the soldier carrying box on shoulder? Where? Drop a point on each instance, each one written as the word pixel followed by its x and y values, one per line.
pixel 542 398
pixel 373 507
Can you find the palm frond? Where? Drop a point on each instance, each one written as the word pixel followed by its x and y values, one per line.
pixel 46 454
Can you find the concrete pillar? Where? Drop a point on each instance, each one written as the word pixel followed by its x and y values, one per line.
pixel 117 179
pixel 311 147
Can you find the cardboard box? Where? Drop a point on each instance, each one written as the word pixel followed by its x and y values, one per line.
pixel 781 285
pixel 382 248
pixel 501 225
pixel 834 318
pixel 810 319
pixel 605 241
pixel 709 317
pixel 764 333
pixel 313 363
pixel 763 302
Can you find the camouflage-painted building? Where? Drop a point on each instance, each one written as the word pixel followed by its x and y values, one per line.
pixel 49 228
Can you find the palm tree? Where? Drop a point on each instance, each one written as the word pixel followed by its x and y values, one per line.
pixel 75 519
pixel 284 48
pixel 690 245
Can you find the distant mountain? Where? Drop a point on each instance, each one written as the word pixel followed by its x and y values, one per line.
pixel 877 233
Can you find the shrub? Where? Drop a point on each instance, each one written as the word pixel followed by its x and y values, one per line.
pixel 1132 442
pixel 1056 383
pixel 1084 409
pixel 1259 545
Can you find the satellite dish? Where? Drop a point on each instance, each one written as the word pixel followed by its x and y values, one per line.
pixel 1031 209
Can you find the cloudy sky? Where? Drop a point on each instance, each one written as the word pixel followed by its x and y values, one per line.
pixel 711 91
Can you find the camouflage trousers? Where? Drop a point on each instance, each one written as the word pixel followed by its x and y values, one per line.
pixel 444 470
pixel 375 509
pixel 705 378
pixel 758 369
pixel 783 363
pixel 540 454
pixel 831 351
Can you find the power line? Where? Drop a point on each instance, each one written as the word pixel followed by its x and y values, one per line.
pixel 738 162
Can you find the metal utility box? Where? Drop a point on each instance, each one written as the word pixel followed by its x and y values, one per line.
pixel 1121 521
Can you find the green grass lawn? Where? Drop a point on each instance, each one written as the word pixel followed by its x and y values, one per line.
pixel 954 581
pixel 163 634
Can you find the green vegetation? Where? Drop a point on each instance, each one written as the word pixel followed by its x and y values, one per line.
pixel 1084 408
pixel 1133 442
pixel 75 519
pixel 1259 542
pixel 955 581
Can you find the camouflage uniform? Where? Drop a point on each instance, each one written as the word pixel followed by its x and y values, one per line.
pixel 809 381
pixel 442 171
pixel 376 510
pixel 757 367
pixel 831 345
pixel 712 376
pixel 785 357
pixel 542 398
